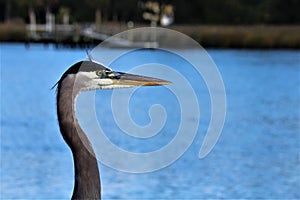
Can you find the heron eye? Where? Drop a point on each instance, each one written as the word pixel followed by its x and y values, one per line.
pixel 99 73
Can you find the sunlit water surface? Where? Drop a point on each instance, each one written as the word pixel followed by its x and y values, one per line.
pixel 257 155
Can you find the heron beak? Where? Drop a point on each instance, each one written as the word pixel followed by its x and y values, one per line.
pixel 137 80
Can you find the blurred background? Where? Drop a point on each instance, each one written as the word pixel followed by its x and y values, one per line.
pixel 255 45
pixel 213 23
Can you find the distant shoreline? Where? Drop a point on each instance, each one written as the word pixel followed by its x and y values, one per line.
pixel 209 36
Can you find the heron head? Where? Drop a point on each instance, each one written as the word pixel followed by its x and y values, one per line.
pixel 91 75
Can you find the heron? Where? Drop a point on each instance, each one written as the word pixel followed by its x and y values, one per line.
pixel 80 77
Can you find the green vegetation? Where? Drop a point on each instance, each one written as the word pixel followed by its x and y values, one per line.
pixel 186 12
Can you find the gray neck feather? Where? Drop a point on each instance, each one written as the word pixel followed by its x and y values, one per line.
pixel 87 177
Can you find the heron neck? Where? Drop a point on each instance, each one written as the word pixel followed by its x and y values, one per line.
pixel 87 177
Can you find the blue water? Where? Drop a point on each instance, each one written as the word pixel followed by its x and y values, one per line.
pixel 257 155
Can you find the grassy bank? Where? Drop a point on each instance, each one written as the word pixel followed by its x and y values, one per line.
pixel 208 36
pixel 244 36
pixel 13 32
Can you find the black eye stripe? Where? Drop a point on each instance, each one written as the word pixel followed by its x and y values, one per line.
pixel 116 75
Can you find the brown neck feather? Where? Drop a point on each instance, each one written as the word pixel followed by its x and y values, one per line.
pixel 87 177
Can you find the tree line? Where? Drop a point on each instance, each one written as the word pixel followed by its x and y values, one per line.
pixel 185 11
